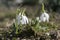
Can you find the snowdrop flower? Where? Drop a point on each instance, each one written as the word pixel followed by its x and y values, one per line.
pixel 44 17
pixel 21 18
pixel 18 17
pixel 24 20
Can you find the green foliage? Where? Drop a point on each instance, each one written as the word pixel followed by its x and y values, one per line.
pixel 17 11
pixel 16 26
pixel 14 39
pixel 42 7
pixel 21 10
pixel 24 11
pixel 43 27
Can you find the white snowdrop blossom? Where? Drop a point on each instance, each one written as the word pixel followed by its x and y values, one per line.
pixel 24 20
pixel 21 19
pixel 18 17
pixel 44 17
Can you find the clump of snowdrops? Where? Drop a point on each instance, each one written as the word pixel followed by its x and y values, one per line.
pixel 36 26
pixel 20 26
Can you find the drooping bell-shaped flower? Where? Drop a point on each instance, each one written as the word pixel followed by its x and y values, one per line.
pixel 44 16
pixel 22 18
pixel 18 18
